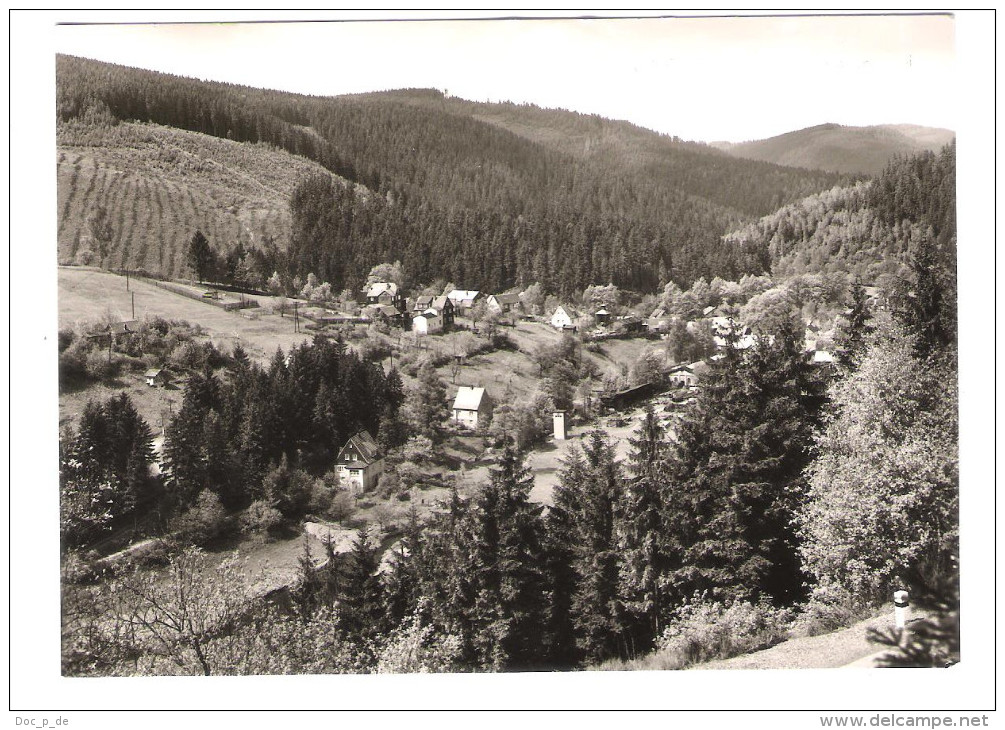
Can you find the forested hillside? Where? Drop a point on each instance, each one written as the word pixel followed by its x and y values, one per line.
pixel 487 195
pixel 870 229
pixel 851 150
pixel 136 192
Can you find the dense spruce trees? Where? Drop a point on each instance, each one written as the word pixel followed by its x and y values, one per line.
pixel 588 495
pixel 735 475
pixel 104 469
pixel 231 433
pixel 644 554
pixel 852 329
pixel 506 558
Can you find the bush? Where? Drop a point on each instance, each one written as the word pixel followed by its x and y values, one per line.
pixel 831 607
pixel 65 337
pixel 99 367
pixel 342 507
pixel 373 350
pixel 502 341
pixel 702 630
pixel 260 517
pixel 414 648
pixel 73 362
pixel 205 521
pixel 289 489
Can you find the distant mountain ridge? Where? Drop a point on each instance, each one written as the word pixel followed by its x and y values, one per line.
pixel 842 149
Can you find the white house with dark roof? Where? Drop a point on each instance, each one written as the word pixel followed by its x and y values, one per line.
pixel 157 376
pixel 463 299
pixel 504 303
pixel 427 322
pixel 472 406
pixel 564 318
pixel 359 463
pixel 385 292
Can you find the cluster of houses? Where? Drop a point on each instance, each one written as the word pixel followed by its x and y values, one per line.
pixel 429 314
pixel 360 461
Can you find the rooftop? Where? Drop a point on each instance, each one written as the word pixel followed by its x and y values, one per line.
pixel 379 287
pixel 468 398
pixel 365 444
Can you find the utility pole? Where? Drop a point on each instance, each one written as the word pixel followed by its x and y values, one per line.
pixel 133 298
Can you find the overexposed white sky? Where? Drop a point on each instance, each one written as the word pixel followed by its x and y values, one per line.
pixel 701 78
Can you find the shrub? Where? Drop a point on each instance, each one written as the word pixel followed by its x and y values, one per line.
pixel 203 522
pixel 65 337
pixel 830 607
pixel 99 367
pixel 374 350
pixel 260 517
pixel 73 362
pixel 414 648
pixel 702 630
pixel 342 506
pixel 289 489
pixel 502 341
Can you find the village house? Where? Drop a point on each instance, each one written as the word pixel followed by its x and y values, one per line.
pixel 463 300
pixel 428 322
pixel 385 313
pixel 504 303
pixel 157 377
pixel 659 320
pixel 820 358
pixel 683 376
pixel 564 318
pixel 359 463
pixel 602 316
pixel 443 306
pixel 422 303
pixel 385 292
pixel 472 406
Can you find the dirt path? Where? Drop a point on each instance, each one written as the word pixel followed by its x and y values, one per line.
pixel 845 648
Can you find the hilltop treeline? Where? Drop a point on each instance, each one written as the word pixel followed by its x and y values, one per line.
pixel 448 183
pixel 870 229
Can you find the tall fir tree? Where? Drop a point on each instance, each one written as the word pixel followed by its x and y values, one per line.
pixel 507 556
pixel 597 614
pixel 361 602
pixel 853 330
pixel 645 558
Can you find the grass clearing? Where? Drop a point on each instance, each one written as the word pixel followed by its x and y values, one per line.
pixel 88 294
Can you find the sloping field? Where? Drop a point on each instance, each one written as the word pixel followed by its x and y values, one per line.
pixel 87 294
pixel 159 185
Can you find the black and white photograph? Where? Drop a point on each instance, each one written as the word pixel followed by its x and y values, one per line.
pixel 604 353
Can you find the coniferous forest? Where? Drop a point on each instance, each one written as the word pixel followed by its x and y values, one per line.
pixel 780 497
pixel 455 197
